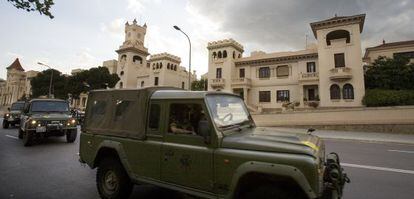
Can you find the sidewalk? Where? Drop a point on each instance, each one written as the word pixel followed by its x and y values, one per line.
pixel 359 136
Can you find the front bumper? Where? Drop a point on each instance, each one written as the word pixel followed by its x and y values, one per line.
pixel 334 178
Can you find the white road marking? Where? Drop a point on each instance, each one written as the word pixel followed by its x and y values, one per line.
pixel 10 136
pixel 401 151
pixel 378 168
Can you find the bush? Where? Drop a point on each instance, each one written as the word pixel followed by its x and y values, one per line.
pixel 378 97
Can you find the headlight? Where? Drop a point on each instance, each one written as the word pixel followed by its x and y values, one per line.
pixel 33 122
pixel 71 122
pixel 7 115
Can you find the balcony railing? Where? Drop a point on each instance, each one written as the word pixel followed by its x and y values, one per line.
pixel 340 74
pixel 309 76
pixel 219 82
pixel 241 82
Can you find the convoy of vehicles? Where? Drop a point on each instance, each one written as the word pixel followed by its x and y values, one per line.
pixel 42 118
pixel 204 144
pixel 12 116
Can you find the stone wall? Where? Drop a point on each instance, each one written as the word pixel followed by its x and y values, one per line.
pixel 399 119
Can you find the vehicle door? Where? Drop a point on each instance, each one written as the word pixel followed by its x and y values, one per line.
pixel 187 158
pixel 24 116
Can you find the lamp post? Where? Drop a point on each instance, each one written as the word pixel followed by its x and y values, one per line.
pixel 51 78
pixel 189 57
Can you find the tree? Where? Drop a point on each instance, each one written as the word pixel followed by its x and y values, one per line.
pixel 94 78
pixel 392 74
pixel 34 5
pixel 199 85
pixel 40 84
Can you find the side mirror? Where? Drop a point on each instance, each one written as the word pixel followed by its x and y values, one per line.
pixel 204 130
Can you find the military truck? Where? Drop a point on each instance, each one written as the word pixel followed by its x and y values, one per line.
pixel 42 118
pixel 204 144
pixel 12 116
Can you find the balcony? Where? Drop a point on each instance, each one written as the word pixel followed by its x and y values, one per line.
pixel 241 82
pixel 340 74
pixel 303 77
pixel 217 83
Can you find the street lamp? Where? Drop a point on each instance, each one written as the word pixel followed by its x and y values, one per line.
pixel 51 78
pixel 189 57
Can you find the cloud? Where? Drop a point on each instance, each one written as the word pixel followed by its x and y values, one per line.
pixel 114 28
pixel 282 25
pixel 84 58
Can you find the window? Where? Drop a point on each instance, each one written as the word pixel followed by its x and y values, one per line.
pixel 123 57
pixel 156 81
pixel 282 71
pixel 339 60
pixel 184 118
pixel 142 83
pixel 168 66
pixel 175 67
pixel 182 85
pixel 214 55
pixel 121 108
pixel 239 56
pixel 121 85
pixel 264 72
pixel 83 101
pixel 409 55
pixel 98 108
pixel 157 66
pixel 264 96
pixel 219 54
pixel 348 91
pixel 335 91
pixel 121 73
pixel 160 65
pixel 137 59
pixel 310 67
pixel 337 34
pixel 218 73
pixel 154 117
pixel 234 54
pixel 241 73
pixel 224 54
pixel 282 96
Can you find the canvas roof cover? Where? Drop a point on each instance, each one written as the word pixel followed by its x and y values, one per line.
pixel 120 112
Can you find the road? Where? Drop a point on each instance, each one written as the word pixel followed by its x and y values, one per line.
pixel 52 170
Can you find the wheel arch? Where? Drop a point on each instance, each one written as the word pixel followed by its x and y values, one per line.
pixel 260 172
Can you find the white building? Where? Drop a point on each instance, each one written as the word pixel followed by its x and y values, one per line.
pixel 135 71
pixel 329 73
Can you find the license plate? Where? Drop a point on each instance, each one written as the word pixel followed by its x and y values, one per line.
pixel 10 119
pixel 40 129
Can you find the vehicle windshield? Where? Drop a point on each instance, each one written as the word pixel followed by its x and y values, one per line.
pixel 17 107
pixel 49 106
pixel 228 111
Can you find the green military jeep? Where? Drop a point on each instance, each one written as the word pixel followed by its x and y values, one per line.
pixel 12 117
pixel 203 144
pixel 42 118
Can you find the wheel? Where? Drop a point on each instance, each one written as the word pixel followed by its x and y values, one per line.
pixel 27 138
pixel 71 135
pixel 271 191
pixel 112 180
pixel 5 124
pixel 20 133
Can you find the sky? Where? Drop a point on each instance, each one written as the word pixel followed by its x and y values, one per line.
pixel 83 33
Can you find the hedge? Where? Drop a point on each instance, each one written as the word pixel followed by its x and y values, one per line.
pixel 379 97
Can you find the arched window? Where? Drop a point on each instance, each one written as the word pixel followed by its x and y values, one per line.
pixel 239 56
pixel 160 65
pixel 337 34
pixel 175 67
pixel 234 54
pixel 348 91
pixel 142 84
pixel 123 57
pixel 121 73
pixel 224 54
pixel 214 55
pixel 168 65
pixel 137 59
pixel 219 54
pixel 335 91
pixel 282 71
pixel 182 85
pixel 121 85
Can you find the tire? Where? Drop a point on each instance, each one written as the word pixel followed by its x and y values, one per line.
pixel 71 135
pixel 112 180
pixel 20 133
pixel 27 138
pixel 5 124
pixel 271 191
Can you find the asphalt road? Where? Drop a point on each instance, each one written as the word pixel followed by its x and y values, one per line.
pixel 52 170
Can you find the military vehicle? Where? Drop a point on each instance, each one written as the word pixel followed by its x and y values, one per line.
pixel 12 116
pixel 42 118
pixel 200 143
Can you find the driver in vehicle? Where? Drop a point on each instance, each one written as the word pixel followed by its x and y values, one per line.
pixel 184 127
